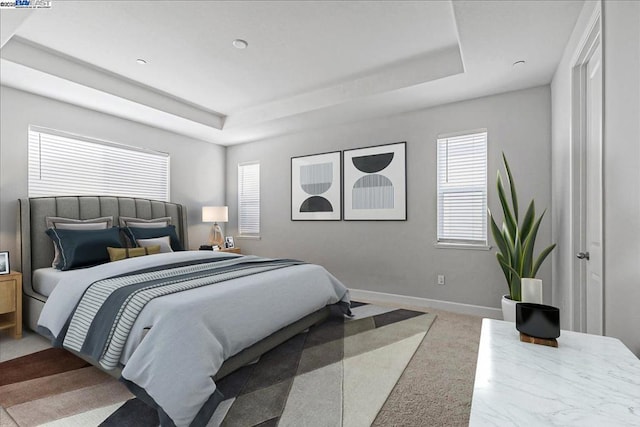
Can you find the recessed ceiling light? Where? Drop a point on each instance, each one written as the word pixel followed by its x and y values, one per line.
pixel 240 44
pixel 141 61
pixel 519 63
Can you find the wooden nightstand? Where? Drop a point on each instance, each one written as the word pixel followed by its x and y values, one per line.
pixel 11 302
pixel 231 250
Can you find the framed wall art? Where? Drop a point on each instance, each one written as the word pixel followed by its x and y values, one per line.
pixel 315 187
pixel 375 183
pixel 5 268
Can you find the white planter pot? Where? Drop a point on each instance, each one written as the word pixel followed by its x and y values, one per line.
pixel 508 308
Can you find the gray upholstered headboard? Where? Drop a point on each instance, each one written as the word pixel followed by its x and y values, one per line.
pixel 36 247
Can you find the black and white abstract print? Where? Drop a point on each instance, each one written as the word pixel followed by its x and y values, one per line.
pixel 315 180
pixel 315 187
pixel 375 183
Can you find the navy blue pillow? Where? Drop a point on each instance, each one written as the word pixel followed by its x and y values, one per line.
pixel 135 233
pixel 82 248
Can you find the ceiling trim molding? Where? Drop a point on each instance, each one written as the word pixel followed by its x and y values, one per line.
pixel 10 22
pixel 425 68
pixel 475 61
pixel 29 80
pixel 36 57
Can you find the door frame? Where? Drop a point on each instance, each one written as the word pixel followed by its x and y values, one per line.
pixel 590 42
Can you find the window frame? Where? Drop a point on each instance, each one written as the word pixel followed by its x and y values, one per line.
pixel 462 243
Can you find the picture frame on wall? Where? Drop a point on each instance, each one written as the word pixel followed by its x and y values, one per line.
pixel 375 183
pixel 316 187
pixel 5 268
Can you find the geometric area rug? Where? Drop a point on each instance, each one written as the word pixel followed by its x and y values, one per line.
pixel 338 373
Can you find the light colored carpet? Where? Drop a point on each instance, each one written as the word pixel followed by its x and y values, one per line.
pixel 346 369
pixel 434 389
pixel 437 386
pixel 30 342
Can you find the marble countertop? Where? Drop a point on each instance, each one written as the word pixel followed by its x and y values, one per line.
pixel 588 380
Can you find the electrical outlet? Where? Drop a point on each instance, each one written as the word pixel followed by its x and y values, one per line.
pixel 440 279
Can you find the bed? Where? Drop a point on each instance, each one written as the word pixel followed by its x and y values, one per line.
pixel 234 308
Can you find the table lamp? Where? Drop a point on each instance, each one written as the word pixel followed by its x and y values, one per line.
pixel 215 214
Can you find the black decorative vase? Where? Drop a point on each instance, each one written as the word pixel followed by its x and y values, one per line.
pixel 538 320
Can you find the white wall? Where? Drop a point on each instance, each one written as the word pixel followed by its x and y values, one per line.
pixel 621 169
pixel 197 167
pixel 399 257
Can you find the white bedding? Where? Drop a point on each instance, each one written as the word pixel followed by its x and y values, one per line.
pixel 193 332
pixel 46 279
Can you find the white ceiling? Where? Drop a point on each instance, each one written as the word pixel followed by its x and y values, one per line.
pixel 309 64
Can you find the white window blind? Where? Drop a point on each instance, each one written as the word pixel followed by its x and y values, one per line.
pixel 462 189
pixel 62 164
pixel 249 199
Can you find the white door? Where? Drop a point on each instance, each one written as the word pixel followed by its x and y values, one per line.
pixel 591 256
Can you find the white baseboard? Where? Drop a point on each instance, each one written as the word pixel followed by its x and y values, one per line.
pixel 456 307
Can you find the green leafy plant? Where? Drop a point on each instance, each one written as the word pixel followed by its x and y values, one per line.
pixel 516 241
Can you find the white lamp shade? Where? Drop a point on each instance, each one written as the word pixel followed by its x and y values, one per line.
pixel 215 214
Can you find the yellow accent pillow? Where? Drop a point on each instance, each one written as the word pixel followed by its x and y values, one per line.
pixel 116 254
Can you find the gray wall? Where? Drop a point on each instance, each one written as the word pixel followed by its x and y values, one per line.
pixel 399 257
pixel 621 169
pixel 621 152
pixel 197 167
pixel 563 258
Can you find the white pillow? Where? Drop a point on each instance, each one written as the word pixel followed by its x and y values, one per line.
pixel 164 242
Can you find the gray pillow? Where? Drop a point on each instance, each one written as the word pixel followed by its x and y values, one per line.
pixel 164 243
pixel 127 221
pixel 79 224
pixel 159 224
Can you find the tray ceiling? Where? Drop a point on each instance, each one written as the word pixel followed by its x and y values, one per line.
pixel 308 64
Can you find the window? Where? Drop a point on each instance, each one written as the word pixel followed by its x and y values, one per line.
pixel 249 199
pixel 462 189
pixel 63 164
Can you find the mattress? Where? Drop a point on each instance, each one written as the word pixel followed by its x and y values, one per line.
pixel 46 279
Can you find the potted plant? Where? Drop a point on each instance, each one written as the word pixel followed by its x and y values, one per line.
pixel 516 241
